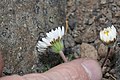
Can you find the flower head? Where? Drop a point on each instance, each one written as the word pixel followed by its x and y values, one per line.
pixel 108 35
pixel 53 39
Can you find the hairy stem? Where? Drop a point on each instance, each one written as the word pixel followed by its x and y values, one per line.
pixel 106 57
pixel 63 56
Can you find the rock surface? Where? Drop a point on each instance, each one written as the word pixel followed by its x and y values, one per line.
pixel 102 50
pixel 21 23
pixel 87 50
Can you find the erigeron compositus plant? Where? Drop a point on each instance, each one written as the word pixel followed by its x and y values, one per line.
pixel 54 40
pixel 108 36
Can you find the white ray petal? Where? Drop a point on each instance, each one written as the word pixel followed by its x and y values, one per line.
pixel 59 31
pixel 41 44
pixel 62 31
pixel 46 41
pixel 101 35
pixel 56 33
pixel 112 33
pixel 49 35
pixel 53 34
pixel 41 50
pixel 114 30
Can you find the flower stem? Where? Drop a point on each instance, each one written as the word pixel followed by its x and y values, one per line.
pixel 63 56
pixel 106 57
pixel 66 24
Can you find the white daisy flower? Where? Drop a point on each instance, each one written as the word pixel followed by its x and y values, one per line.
pixel 108 35
pixel 53 39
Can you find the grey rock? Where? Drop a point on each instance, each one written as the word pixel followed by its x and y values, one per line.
pixel 109 14
pixel 89 35
pixel 102 20
pixel 83 34
pixel 117 14
pixel 72 23
pixel 102 50
pixel 91 20
pixel 110 1
pixel 76 51
pixel 78 40
pixel 68 41
pixel 116 62
pixel 118 2
pixel 87 50
pixel 103 1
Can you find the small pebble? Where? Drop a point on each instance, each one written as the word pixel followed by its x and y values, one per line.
pixel 88 51
pixel 103 1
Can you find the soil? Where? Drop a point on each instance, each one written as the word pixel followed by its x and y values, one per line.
pixel 24 22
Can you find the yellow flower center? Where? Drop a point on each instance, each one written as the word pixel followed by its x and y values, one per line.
pixel 106 33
